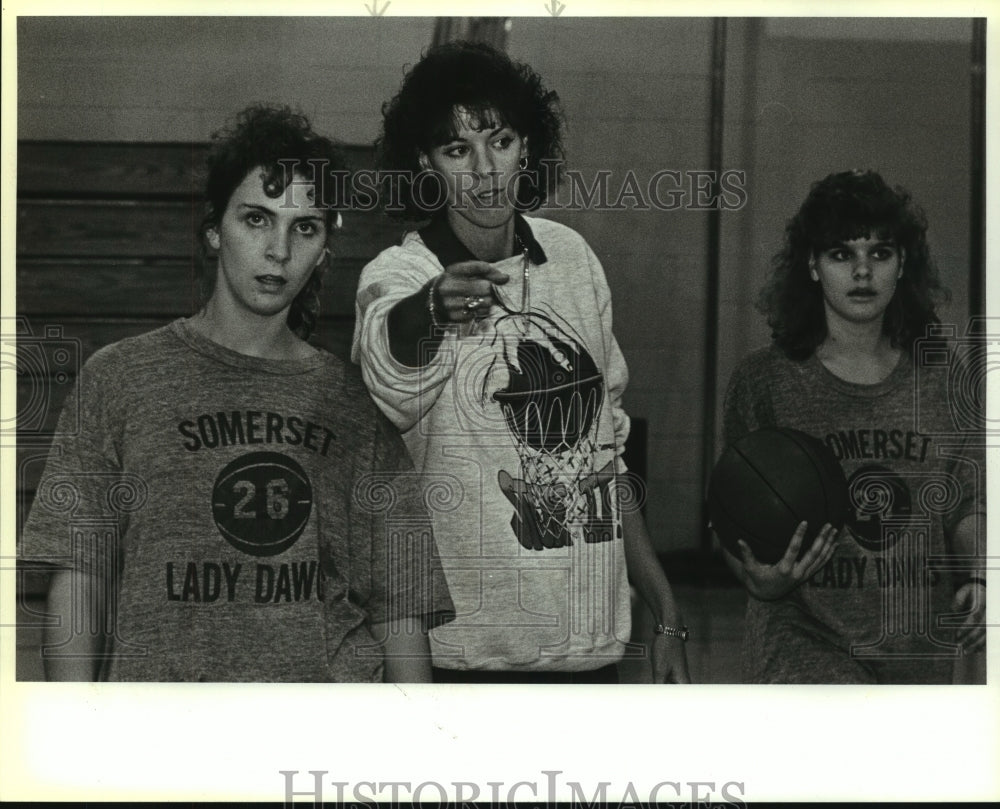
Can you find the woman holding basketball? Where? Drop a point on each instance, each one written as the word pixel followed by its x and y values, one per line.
pixel 849 304
pixel 486 337
pixel 233 470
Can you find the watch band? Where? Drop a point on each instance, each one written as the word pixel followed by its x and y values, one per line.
pixel 430 302
pixel 671 631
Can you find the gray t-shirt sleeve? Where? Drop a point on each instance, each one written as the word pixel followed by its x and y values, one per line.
pixel 747 405
pixel 965 453
pixel 968 465
pixel 82 483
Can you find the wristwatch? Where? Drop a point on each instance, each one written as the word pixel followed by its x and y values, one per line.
pixel 671 631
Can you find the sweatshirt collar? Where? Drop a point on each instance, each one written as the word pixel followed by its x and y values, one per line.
pixel 441 240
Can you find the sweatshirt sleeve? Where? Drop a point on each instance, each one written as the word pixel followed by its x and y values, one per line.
pixel 616 372
pixel 404 394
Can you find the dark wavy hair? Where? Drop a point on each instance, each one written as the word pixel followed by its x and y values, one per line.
pixel 277 140
pixel 839 208
pixel 486 83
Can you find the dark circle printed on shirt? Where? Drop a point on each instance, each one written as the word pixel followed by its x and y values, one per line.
pixel 877 495
pixel 261 503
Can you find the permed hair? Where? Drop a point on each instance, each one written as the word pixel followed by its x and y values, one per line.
pixel 840 208
pixel 485 83
pixel 277 140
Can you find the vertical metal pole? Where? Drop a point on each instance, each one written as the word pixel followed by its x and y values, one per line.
pixel 977 208
pixel 714 256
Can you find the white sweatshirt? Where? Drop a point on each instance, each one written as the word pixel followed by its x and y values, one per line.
pixel 518 427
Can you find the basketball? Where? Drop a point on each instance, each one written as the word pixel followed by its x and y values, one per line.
pixel 768 482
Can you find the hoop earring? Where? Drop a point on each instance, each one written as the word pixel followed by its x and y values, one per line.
pixel 523 164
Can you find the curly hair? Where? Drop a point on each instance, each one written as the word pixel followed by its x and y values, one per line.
pixel 840 208
pixel 485 83
pixel 277 140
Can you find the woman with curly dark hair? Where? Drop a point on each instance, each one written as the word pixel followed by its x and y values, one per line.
pixel 841 208
pixel 276 148
pixel 486 338
pixel 424 114
pixel 851 299
pixel 228 451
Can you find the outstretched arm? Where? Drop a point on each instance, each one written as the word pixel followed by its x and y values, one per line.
pixel 411 338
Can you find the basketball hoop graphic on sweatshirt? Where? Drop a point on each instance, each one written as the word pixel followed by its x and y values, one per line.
pixel 551 405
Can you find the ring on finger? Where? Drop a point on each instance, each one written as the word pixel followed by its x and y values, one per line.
pixel 472 303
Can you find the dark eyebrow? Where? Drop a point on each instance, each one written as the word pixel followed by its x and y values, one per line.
pixel 252 206
pixel 456 139
pixel 255 207
pixel 880 243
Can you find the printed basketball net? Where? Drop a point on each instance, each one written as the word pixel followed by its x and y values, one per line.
pixel 551 404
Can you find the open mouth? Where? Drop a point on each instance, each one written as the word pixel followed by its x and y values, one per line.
pixel 272 281
pixel 489 198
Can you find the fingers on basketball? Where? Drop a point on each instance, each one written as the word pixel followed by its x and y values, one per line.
pixel 827 544
pixel 746 554
pixel 797 538
pixel 788 562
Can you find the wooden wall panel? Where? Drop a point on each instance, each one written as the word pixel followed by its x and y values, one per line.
pixel 106 228
pixel 124 287
pixel 137 287
pixel 158 229
pixel 117 170
pixel 109 169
